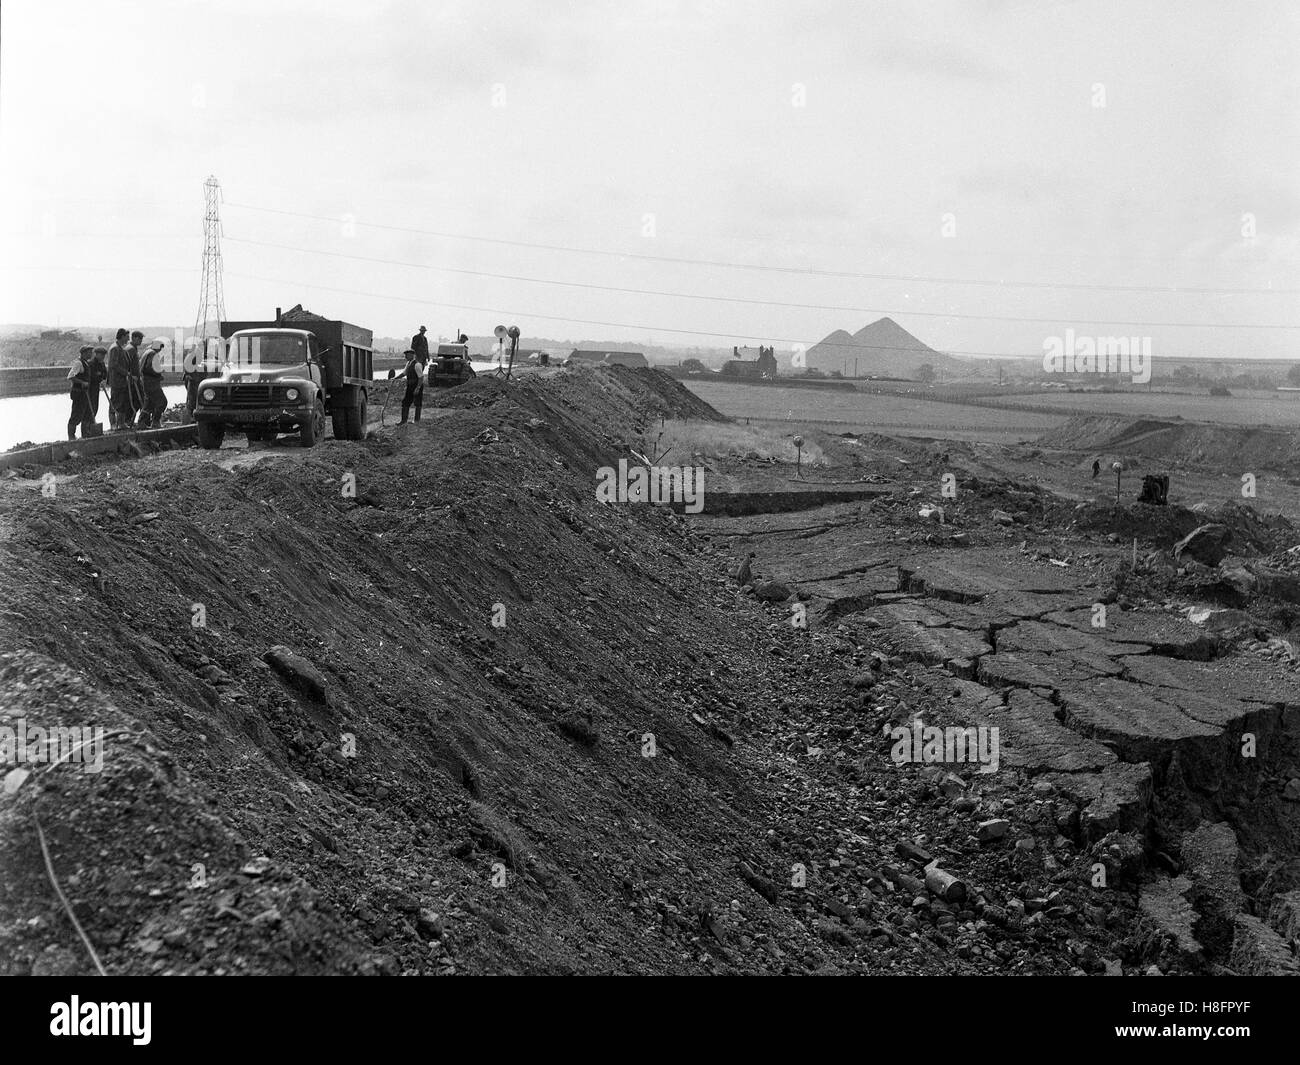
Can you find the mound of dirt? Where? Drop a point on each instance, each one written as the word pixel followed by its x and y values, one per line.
pixel 1250 532
pixel 540 733
pixel 1178 443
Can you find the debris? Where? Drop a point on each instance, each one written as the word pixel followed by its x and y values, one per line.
pixel 1205 544
pixel 944 884
pixel 297 670
pixel 14 780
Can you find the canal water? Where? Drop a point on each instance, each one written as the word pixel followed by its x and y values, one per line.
pixel 44 419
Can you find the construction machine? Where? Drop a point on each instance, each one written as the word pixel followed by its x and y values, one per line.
pixel 450 365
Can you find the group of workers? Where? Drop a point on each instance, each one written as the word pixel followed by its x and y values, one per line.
pixel 417 360
pixel 134 384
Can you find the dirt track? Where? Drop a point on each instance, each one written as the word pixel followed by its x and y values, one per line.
pixel 433 793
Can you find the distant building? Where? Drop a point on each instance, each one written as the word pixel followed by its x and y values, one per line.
pixel 763 366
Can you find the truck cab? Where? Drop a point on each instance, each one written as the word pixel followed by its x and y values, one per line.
pixel 283 376
pixel 272 382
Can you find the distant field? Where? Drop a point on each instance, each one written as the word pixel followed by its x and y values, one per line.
pixel 859 411
pixel 1278 409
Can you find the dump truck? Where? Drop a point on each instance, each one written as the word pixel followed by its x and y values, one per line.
pixel 288 375
pixel 450 366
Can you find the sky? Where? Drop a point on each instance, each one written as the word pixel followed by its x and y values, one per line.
pixel 707 173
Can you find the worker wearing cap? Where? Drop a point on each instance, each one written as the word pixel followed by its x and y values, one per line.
pixel 78 390
pixel 119 383
pixel 155 400
pixel 414 374
pixel 98 373
pixel 420 345
pixel 136 385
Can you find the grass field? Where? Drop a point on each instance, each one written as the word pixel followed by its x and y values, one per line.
pixel 864 412
pixel 908 414
pixel 1279 410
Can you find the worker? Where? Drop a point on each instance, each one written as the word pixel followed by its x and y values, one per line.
pixel 119 400
pixel 151 377
pixel 133 376
pixel 420 345
pixel 98 373
pixel 1096 468
pixel 414 386
pixel 79 391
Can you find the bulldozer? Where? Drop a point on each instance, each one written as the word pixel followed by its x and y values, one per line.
pixel 450 365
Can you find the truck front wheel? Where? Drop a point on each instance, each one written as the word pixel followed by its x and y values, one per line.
pixel 211 434
pixel 315 428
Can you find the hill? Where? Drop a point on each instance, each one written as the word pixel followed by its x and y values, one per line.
pixel 883 348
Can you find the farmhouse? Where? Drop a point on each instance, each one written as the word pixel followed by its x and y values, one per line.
pixel 764 366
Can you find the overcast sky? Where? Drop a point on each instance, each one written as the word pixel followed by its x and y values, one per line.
pixel 818 136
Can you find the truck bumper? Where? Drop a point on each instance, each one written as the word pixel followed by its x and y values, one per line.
pixel 283 420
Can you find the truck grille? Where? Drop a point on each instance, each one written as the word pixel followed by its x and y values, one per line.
pixel 249 397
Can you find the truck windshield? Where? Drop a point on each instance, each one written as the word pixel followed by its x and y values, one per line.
pixel 267 350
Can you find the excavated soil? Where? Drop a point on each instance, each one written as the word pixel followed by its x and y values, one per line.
pixel 421 704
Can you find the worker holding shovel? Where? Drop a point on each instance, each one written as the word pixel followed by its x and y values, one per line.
pixel 79 391
pixel 119 382
pixel 97 374
pixel 135 383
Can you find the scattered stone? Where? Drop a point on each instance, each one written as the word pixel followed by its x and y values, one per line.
pixel 429 924
pixel 1204 544
pixel 771 591
pixel 913 853
pixel 944 884
pixel 761 884
pixel 14 780
pixel 993 829
pixel 297 671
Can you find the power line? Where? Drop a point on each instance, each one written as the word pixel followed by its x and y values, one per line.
pixel 744 300
pixel 848 348
pixel 798 270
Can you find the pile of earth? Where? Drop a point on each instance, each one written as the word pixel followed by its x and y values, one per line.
pixel 1250 531
pixel 1176 444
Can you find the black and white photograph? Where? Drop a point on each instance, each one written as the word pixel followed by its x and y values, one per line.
pixel 650 488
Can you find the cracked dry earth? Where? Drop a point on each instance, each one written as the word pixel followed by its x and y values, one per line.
pixel 499 811
pixel 1162 754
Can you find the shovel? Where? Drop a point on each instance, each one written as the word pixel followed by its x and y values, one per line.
pixel 89 428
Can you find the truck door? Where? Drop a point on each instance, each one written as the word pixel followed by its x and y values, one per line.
pixel 314 361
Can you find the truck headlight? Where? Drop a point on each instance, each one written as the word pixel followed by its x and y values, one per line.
pixel 291 395
pixel 209 395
